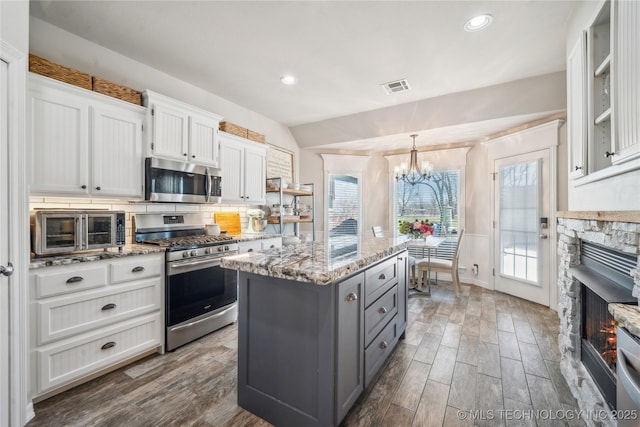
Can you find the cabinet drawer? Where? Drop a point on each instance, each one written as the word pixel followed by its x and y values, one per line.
pixel 62 280
pixel 380 348
pixel 378 279
pixel 67 361
pixel 251 246
pixel 65 316
pixel 137 267
pixel 379 313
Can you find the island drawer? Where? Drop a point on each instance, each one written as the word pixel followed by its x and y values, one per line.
pixel 379 279
pixel 378 314
pixel 377 352
pixel 65 279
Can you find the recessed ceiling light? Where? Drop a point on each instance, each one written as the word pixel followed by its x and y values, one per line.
pixel 288 79
pixel 478 22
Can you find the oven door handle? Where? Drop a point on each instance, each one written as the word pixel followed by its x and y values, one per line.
pixel 190 324
pixel 214 262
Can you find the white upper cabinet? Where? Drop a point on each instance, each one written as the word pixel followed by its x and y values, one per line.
pixel 576 109
pixel 243 164
pixel 604 136
pixel 627 82
pixel 181 131
pixel 83 143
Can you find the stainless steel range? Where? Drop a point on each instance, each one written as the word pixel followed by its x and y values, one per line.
pixel 200 296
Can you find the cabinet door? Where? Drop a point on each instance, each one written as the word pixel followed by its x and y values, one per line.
pixel 59 142
pixel 203 140
pixel 627 86
pixel 576 105
pixel 232 163
pixel 117 152
pixel 255 174
pixel 349 344
pixel 170 132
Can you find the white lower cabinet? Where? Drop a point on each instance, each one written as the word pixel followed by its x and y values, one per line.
pixel 259 245
pixel 88 318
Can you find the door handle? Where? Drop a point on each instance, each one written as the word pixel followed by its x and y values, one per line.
pixel 544 236
pixel 6 270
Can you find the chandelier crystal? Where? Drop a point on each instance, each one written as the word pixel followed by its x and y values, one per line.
pixel 413 174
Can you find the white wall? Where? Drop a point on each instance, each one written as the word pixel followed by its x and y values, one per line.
pixel 67 49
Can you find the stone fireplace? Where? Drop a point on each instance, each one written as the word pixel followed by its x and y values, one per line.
pixel 587 331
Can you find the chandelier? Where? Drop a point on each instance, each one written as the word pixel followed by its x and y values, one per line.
pixel 413 174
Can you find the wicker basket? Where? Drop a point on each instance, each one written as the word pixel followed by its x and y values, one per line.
pixel 233 129
pixel 255 136
pixel 115 90
pixel 56 71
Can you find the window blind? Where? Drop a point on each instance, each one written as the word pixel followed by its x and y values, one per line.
pixel 343 209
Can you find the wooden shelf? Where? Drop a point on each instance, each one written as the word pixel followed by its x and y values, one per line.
pixel 606 115
pixel 289 191
pixel 603 67
pixel 289 220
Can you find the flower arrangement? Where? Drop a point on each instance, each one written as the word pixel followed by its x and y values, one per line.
pixel 417 228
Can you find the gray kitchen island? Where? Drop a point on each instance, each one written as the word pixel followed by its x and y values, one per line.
pixel 316 323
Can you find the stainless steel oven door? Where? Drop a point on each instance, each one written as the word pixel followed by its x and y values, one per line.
pixel 200 298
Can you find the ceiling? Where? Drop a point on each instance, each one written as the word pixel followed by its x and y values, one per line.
pixel 340 51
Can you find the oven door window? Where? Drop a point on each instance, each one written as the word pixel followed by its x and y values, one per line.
pixel 60 233
pixel 194 293
pixel 99 230
pixel 177 182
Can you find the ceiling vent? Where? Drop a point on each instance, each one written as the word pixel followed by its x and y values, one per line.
pixel 396 86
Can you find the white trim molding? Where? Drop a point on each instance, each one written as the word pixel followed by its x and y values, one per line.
pixel 21 407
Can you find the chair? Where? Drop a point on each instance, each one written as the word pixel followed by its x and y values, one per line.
pixel 439 265
pixel 377 231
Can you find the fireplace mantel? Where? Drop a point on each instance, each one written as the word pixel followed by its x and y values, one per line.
pixel 613 216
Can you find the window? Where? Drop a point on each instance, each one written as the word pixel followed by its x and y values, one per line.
pixel 436 200
pixel 343 215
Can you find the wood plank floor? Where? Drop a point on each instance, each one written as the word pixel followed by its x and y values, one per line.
pixel 483 358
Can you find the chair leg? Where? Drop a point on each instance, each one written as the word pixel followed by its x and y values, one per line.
pixel 456 281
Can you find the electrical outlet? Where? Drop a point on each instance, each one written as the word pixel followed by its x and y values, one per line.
pixel 475 269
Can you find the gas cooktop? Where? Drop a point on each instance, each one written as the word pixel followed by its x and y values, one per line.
pixel 187 242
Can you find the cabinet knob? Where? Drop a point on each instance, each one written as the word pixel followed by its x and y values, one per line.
pixel 193 156
pixel 184 154
pixel 382 276
pixel 383 310
pixel 383 345
pixel 272 246
pixel 75 279
pixel 352 297
pixel 578 168
pixel 609 154
pixel 109 306
pixel 84 187
pixel 250 250
pixel 137 269
pixel 108 345
pixel 98 188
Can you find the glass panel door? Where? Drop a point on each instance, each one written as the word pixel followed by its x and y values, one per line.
pixel 99 230
pixel 518 213
pixel 60 232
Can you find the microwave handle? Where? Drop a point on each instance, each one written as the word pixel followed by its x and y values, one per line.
pixel 207 190
pixel 84 236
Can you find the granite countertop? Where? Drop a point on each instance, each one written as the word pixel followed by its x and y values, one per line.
pixel 321 262
pixel 256 236
pixel 97 255
pixel 628 316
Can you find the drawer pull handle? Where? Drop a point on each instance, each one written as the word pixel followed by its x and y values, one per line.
pixel 75 279
pixel 352 297
pixel 137 269
pixel 383 345
pixel 383 310
pixel 109 306
pixel 272 246
pixel 250 250
pixel 108 345
pixel 382 276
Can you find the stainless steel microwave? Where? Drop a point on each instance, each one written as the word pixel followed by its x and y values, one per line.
pixel 181 182
pixel 57 231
